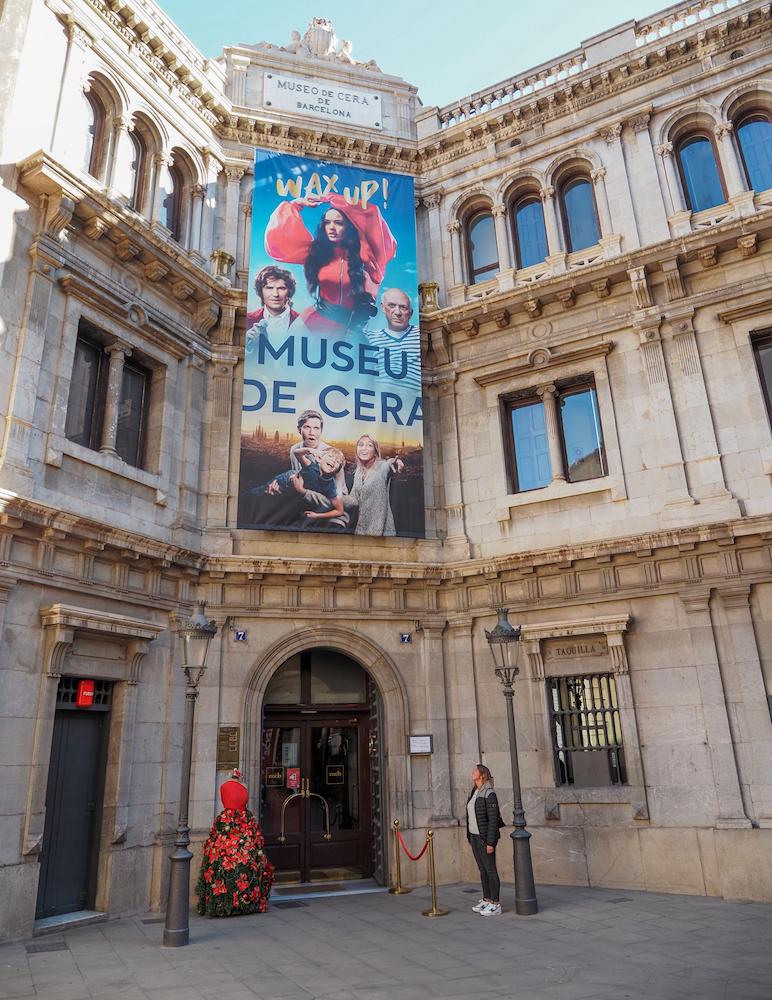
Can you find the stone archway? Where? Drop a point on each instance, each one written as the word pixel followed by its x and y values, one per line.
pixel 394 701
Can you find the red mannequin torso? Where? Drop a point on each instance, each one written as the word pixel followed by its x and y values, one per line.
pixel 233 794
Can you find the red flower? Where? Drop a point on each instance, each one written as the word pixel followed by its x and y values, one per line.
pixel 218 887
pixel 209 874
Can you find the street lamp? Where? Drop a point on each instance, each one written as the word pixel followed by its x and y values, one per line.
pixel 504 641
pixel 196 633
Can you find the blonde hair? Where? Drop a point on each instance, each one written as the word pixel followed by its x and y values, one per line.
pixel 376 446
pixel 485 774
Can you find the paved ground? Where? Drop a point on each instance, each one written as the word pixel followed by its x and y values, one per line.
pixel 583 943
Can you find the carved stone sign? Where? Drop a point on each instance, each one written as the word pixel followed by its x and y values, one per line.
pixel 322 99
pixel 573 649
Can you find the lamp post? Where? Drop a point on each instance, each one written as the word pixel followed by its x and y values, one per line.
pixel 196 633
pixel 504 641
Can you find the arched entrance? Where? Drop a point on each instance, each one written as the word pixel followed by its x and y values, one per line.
pixel 320 768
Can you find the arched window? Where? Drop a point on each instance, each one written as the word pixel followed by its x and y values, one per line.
pixel 530 234
pixel 138 169
pixel 580 218
pixel 700 176
pixel 754 137
pixel 482 252
pixel 94 134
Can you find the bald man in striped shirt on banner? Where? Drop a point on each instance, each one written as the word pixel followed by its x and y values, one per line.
pixel 399 336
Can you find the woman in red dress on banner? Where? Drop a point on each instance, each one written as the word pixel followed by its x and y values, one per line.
pixel 344 261
pixel 236 876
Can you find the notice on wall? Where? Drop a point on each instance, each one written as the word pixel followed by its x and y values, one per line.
pixel 228 743
pixel 322 99
pixel 332 419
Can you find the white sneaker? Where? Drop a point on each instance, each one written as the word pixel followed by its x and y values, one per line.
pixel 480 906
pixel 491 910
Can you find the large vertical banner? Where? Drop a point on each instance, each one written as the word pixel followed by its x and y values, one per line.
pixel 331 429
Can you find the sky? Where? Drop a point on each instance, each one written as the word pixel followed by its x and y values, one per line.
pixel 446 49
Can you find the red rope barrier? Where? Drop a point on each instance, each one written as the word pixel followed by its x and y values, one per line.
pixel 413 857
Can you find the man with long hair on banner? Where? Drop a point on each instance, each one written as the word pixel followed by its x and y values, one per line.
pixel 344 261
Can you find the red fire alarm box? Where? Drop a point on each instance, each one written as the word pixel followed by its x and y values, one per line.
pixel 84 697
pixel 293 777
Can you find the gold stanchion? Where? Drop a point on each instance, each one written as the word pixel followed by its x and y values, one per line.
pixel 398 889
pixel 435 911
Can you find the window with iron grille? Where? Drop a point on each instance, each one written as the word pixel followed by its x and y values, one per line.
pixel 67 692
pixel 586 731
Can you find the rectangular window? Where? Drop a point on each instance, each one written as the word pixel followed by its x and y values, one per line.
pixel 130 432
pixel 577 427
pixel 85 407
pixel 586 731
pixel 582 437
pixel 531 447
pixel 763 351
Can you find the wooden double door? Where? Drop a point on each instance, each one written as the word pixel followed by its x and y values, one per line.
pixel 316 808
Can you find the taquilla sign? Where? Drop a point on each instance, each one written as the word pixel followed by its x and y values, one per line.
pixel 322 99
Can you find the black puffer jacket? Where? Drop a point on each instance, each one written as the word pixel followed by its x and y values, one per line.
pixel 486 811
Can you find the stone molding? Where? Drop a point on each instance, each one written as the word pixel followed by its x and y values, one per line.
pixel 105 623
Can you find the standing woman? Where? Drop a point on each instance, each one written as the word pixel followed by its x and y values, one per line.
pixel 344 261
pixel 370 489
pixel 483 821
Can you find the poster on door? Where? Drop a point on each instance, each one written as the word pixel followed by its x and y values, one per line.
pixel 332 421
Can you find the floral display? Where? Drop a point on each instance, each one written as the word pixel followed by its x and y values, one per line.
pixel 236 876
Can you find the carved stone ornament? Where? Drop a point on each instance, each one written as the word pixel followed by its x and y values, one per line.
pixel 533 307
pixel 321 42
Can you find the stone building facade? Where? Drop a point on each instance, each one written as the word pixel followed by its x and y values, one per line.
pixel 595 267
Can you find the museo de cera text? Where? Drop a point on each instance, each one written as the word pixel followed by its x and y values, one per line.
pixel 319 99
pixel 361 402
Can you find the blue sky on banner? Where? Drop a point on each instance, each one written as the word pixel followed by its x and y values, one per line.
pixel 398 208
pixel 446 49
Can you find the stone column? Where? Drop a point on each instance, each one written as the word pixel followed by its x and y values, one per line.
pixel 554 245
pixel 118 353
pixel 672 189
pixel 499 212
pixel 245 232
pixel 438 263
pixel 747 695
pixel 211 173
pixel 118 170
pixel 601 200
pixel 433 664
pixel 238 79
pixel 730 163
pixel 718 736
pixel 159 187
pixel 463 721
pixel 451 460
pixel 454 232
pixel 67 129
pixel 619 183
pixel 647 190
pixel 548 395
pixel 198 194
pixel 232 202
pixel 57 642
pixel 666 451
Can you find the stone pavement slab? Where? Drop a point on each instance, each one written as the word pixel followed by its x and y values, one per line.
pixel 583 943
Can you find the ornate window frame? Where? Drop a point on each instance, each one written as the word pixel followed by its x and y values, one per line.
pixel 536 666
